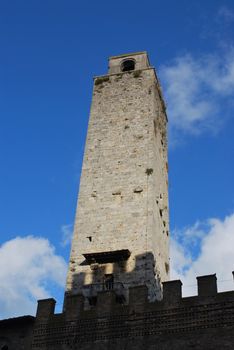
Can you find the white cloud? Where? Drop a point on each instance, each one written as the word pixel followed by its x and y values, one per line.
pixel 180 259
pixel 28 266
pixel 67 233
pixel 214 241
pixel 196 89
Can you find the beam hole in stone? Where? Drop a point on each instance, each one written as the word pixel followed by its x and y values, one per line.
pixel 155 128
pixel 138 189
pixel 166 267
pixel 149 171
pixel 116 193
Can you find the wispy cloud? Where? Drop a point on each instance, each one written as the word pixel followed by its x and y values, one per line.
pixel 29 268
pixel 67 232
pixel 215 241
pixel 196 91
pixel 225 14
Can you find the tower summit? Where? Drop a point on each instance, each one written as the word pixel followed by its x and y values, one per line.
pixel 121 231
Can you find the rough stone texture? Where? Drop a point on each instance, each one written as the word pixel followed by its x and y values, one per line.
pixel 123 197
pixel 199 322
pixel 16 333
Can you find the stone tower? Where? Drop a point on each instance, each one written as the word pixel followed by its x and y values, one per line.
pixel 121 232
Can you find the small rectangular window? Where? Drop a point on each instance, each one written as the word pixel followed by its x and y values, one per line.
pixel 109 281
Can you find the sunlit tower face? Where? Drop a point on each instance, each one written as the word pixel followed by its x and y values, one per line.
pixel 121 229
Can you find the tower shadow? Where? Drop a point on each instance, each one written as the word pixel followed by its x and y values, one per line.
pixel 117 283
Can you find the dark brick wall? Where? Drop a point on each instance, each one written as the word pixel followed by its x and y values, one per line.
pixel 205 321
pixel 16 333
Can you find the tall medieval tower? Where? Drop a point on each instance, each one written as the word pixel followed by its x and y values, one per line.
pixel 119 253
pixel 121 232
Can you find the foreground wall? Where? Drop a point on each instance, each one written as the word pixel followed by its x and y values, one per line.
pixel 205 321
pixel 16 333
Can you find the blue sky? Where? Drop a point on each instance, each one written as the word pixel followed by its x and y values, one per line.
pixel 50 51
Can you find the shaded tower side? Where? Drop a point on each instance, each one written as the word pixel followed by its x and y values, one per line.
pixel 121 229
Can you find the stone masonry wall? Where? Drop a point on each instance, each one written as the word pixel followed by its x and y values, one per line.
pixel 123 201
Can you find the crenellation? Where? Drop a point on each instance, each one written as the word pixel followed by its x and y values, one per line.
pixel 45 309
pixel 109 319
pixel 207 285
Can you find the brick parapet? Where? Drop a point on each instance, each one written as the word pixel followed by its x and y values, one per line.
pixel 109 320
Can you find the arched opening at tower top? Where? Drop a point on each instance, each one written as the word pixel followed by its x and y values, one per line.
pixel 127 65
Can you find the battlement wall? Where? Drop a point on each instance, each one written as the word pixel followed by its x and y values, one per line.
pixel 16 333
pixel 108 322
